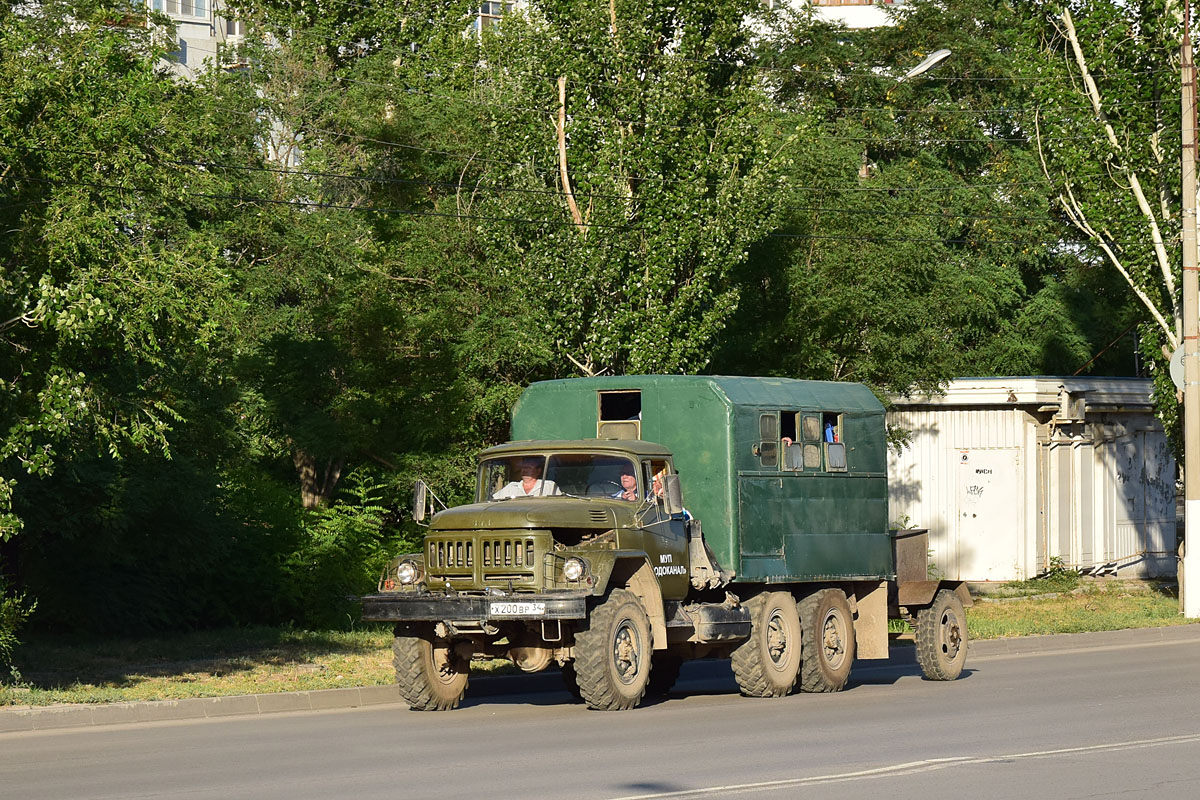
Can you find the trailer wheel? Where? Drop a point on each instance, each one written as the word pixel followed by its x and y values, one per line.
pixel 612 654
pixel 767 664
pixel 664 671
pixel 432 677
pixel 828 641
pixel 942 637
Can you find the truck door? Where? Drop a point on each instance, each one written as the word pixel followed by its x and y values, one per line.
pixel 666 542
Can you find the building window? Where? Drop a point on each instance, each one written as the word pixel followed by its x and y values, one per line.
pixel 182 8
pixel 490 13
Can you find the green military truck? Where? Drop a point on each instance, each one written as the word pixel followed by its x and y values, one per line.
pixel 582 550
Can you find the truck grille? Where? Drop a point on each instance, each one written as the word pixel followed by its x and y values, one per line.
pixel 479 560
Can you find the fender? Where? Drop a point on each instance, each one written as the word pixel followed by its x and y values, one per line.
pixel 915 594
pixel 632 569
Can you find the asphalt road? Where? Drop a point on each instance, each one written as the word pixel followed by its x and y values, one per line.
pixel 1123 721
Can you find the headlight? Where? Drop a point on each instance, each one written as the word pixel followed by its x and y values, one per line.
pixel 407 573
pixel 574 569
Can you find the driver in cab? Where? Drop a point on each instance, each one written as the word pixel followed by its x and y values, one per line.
pixel 530 484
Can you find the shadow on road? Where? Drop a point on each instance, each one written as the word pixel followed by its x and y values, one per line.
pixel 709 677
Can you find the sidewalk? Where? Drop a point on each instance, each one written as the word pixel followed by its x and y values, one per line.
pixel 33 718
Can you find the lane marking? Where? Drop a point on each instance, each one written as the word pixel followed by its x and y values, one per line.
pixel 913 768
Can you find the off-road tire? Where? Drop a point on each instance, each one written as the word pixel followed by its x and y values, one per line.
pixel 767 664
pixel 664 671
pixel 828 638
pixel 571 680
pixel 942 637
pixel 431 678
pixel 612 654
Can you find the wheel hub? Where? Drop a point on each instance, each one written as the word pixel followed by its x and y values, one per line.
pixel 831 639
pixel 777 641
pixel 951 634
pixel 626 653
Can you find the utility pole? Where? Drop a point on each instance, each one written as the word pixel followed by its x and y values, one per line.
pixel 1189 580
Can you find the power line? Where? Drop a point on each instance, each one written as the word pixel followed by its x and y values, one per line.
pixel 525 220
pixel 855 188
pixel 319 205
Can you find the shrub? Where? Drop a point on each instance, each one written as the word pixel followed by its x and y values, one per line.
pixel 14 610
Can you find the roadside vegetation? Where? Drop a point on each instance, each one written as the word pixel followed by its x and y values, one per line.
pixel 74 669
pixel 241 313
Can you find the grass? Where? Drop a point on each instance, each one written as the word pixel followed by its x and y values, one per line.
pixel 73 669
pixel 1091 606
pixel 259 660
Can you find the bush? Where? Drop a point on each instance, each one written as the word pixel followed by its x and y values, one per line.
pixel 14 610
pixel 345 546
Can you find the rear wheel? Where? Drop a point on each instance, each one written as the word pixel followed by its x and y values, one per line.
pixel 942 637
pixel 612 654
pixel 766 664
pixel 431 675
pixel 828 641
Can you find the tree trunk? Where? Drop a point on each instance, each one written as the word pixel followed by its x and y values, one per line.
pixel 317 481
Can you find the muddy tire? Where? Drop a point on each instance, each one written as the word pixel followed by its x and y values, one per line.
pixel 612 654
pixel 829 644
pixel 942 637
pixel 767 664
pixel 432 677
pixel 664 671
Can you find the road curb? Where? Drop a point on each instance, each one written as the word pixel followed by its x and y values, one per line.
pixel 31 718
pixel 34 718
pixel 1099 640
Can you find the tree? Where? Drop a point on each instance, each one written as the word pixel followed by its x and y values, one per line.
pixel 918 241
pixel 622 176
pixel 1115 161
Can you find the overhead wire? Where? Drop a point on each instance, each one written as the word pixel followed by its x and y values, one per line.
pixel 460 185
pixel 953 240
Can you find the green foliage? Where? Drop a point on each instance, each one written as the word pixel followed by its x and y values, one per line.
pixel 1057 578
pixel 1114 161
pixel 342 552
pixel 14 611
pixel 918 237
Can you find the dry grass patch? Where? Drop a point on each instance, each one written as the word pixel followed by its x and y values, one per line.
pixel 204 664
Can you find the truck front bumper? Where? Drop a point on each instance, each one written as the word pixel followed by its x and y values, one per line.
pixel 429 607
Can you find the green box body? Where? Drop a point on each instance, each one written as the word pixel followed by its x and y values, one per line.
pixel 773 520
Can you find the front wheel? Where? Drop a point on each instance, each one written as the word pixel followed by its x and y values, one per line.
pixel 431 676
pixel 766 664
pixel 942 637
pixel 828 641
pixel 612 654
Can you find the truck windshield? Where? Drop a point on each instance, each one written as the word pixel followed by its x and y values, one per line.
pixel 576 474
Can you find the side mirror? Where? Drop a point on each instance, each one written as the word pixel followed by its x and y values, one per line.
pixel 672 494
pixel 420 501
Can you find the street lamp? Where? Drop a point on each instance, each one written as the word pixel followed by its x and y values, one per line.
pixel 931 61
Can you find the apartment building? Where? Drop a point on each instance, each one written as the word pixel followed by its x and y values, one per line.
pixel 202 32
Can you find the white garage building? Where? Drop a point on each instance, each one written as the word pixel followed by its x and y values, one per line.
pixel 1011 475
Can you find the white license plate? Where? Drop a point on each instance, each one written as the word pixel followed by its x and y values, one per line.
pixel 517 609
